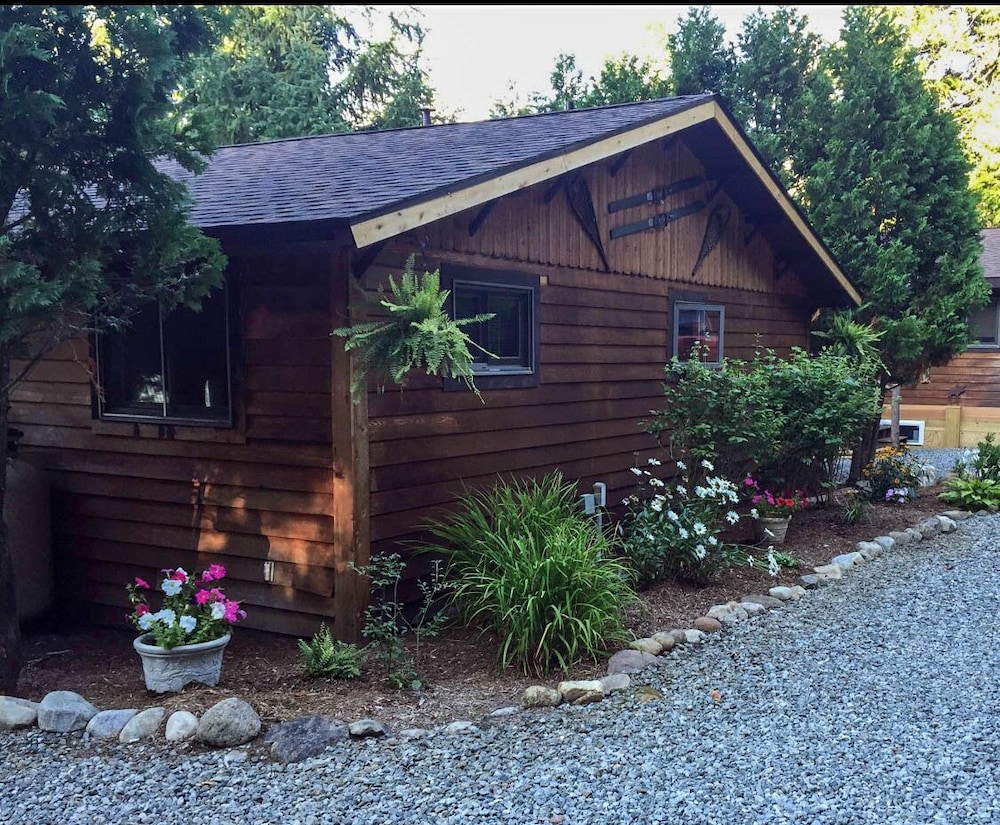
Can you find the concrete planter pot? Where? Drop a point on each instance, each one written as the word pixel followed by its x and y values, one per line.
pixel 168 670
pixel 772 530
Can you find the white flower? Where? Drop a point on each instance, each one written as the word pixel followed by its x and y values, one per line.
pixel 189 623
pixel 754 513
pixel 167 616
pixel 700 551
pixel 701 492
pixel 655 482
pixel 683 533
pixel 713 541
pixel 681 465
pixel 732 517
pixel 171 587
pixel 218 610
pixel 707 464
pixel 772 563
pixel 656 504
pixel 635 471
pixel 654 462
pixel 699 528
pixel 673 516
pixel 146 621
pixel 681 490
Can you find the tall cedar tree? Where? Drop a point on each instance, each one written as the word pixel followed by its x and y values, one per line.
pixel 886 186
pixel 89 229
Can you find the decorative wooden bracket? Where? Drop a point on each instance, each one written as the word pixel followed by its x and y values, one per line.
pixel 580 201
pixel 616 167
pixel 477 222
pixel 715 227
pixel 364 259
pixel 553 190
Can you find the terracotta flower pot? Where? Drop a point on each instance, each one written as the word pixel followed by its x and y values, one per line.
pixel 167 670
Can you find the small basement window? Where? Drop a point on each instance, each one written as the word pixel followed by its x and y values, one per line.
pixel 170 367
pixel 698 331
pixel 985 325
pixel 510 336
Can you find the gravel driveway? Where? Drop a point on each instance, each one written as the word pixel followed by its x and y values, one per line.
pixel 874 700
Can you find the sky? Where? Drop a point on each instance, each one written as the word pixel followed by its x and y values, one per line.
pixel 474 53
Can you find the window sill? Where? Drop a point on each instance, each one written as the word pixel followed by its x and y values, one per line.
pixel 167 431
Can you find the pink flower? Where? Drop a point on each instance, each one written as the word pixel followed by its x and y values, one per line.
pixel 141 583
pixel 141 609
pixel 178 575
pixel 202 596
pixel 233 611
pixel 214 572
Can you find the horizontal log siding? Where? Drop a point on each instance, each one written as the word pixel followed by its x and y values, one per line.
pixel 604 346
pixel 127 506
pixel 977 370
pixel 524 227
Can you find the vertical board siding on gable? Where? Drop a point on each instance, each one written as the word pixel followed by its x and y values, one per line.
pixel 604 346
pixel 127 506
pixel 523 227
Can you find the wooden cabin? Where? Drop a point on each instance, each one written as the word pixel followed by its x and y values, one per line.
pixel 956 404
pixel 605 240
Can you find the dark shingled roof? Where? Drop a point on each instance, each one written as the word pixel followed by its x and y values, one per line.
pixel 349 176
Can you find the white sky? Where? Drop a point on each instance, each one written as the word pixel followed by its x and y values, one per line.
pixel 474 53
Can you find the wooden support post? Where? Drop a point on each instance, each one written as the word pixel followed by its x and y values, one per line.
pixel 952 426
pixel 351 482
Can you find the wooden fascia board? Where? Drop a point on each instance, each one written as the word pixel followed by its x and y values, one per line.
pixel 391 224
pixel 782 199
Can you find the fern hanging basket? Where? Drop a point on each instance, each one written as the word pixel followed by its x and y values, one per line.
pixel 417 334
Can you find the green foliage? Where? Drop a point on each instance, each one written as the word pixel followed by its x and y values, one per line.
pixel 388 623
pixel 975 484
pixel 891 475
pixel 418 334
pixel 722 415
pixel 325 656
pixel 293 70
pixel 824 402
pixel 526 564
pixel 856 510
pixel 673 530
pixel 700 59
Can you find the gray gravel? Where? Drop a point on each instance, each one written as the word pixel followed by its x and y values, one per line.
pixel 873 700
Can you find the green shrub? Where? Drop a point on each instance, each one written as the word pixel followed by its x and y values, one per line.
pixel 971 493
pixel 325 656
pixel 982 462
pixel 527 564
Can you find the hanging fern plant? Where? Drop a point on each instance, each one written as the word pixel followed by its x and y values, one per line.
pixel 418 334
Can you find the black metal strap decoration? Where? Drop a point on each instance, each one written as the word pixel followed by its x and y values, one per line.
pixel 580 201
pixel 657 195
pixel 715 226
pixel 658 221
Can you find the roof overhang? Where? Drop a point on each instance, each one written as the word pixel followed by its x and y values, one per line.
pixel 368 230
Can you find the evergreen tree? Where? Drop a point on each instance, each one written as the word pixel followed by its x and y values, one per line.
pixel 700 59
pixel 89 228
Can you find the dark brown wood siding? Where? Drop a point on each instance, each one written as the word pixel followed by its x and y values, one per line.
pixel 132 499
pixel 975 370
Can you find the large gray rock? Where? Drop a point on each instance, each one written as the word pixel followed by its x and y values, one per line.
pixel 143 725
pixel 304 738
pixel 63 711
pixel 540 696
pixel 107 724
pixel 228 723
pixel 581 691
pixel 630 661
pixel 367 729
pixel 181 726
pixel 17 713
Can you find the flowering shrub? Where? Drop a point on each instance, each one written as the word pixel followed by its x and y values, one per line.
pixel 768 504
pixel 671 531
pixel 892 475
pixel 194 608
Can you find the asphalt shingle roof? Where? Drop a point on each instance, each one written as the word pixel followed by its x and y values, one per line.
pixel 349 176
pixel 991 255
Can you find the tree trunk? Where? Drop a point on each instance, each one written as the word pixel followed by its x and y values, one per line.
pixel 10 627
pixel 894 419
pixel 864 451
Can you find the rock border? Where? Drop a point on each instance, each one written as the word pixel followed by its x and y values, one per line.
pixel 232 722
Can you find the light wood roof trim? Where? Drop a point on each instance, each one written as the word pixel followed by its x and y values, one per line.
pixel 779 194
pixel 391 224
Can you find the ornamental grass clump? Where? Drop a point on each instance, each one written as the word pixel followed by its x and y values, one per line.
pixel 192 609
pixel 527 564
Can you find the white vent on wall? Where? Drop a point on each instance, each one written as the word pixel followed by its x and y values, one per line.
pixel 912 432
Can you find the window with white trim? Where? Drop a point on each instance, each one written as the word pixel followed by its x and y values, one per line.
pixel 698 331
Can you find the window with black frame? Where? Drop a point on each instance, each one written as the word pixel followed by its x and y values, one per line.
pixel 985 325
pixel 169 366
pixel 506 346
